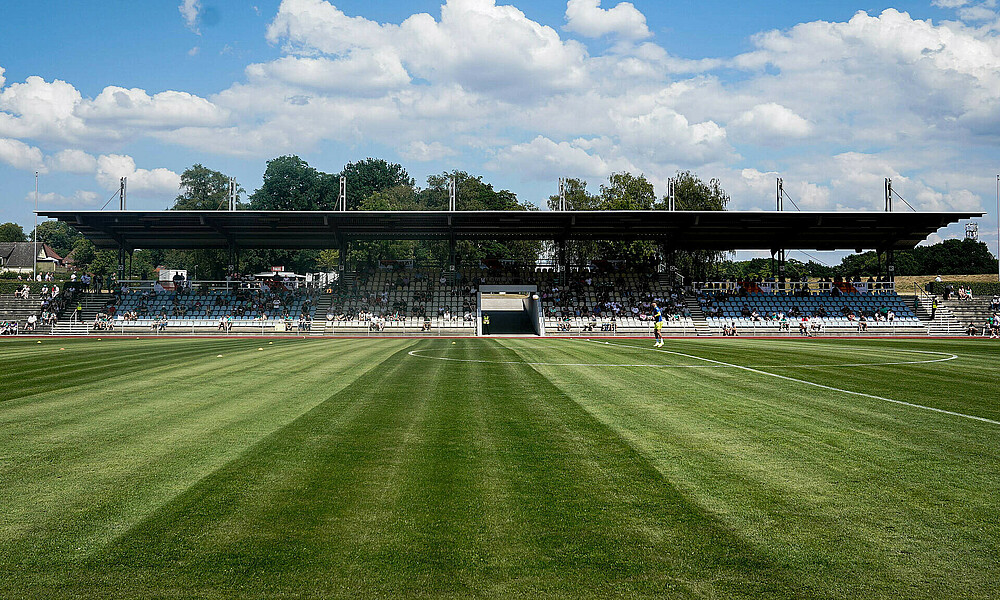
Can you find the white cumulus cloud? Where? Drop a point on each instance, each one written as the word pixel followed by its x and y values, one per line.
pixel 79 198
pixel 20 155
pixel 587 18
pixel 770 124
pixel 136 108
pixel 71 161
pixel 112 167
pixel 423 152
pixel 477 44
pixel 542 158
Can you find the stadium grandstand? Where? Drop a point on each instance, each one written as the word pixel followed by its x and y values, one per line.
pixel 550 297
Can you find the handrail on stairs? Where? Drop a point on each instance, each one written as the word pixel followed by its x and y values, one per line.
pixel 921 293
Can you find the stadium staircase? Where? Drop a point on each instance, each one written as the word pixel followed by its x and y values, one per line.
pixel 18 309
pixel 323 304
pixel 943 322
pixel 963 312
pixel 701 326
pixel 65 328
pixel 91 303
pixel 347 279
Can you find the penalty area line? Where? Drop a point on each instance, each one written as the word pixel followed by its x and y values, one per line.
pixel 812 383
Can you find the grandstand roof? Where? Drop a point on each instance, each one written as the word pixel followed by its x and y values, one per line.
pixel 722 230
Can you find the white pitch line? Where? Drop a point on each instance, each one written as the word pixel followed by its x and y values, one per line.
pixel 416 354
pixel 814 384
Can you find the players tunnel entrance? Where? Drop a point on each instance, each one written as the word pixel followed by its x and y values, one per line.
pixel 505 311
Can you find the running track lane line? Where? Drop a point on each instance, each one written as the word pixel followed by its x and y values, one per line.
pixel 814 384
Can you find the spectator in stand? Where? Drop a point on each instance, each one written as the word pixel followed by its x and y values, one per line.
pixel 971 329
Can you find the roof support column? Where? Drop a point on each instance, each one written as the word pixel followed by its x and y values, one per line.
pixel 562 264
pixel 122 254
pixel 234 260
pixel 890 268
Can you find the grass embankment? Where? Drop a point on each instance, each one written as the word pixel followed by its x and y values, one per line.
pixel 904 283
pixel 349 468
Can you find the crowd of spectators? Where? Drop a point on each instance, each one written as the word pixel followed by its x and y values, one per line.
pixel 378 298
pixel 990 328
pixel 103 322
pixel 264 302
pixel 47 277
pixel 53 301
pixel 590 296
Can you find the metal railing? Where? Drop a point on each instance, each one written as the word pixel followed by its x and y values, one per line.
pixel 215 286
pixel 791 287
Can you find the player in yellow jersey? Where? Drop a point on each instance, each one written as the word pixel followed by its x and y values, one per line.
pixel 657 326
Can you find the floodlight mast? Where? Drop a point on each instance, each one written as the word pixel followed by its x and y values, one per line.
pixel 34 236
pixel 998 227
pixel 342 201
pixel 453 194
pixel 562 193
pixel 232 193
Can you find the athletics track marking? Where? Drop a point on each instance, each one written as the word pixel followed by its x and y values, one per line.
pixel 814 384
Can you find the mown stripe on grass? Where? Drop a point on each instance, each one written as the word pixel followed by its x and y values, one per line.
pixel 106 477
pixel 420 482
pixel 90 361
pixel 584 515
pixel 857 503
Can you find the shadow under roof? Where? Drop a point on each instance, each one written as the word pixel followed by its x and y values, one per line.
pixel 683 230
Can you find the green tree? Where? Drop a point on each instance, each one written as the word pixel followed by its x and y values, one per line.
pixel 476 194
pixel 578 252
pixel 83 253
pixel 144 263
pixel 370 176
pixel 105 263
pixel 59 235
pixel 291 184
pixel 209 264
pixel 950 257
pixel 201 189
pixel 692 193
pixel 401 197
pixel 204 189
pixel 625 191
pixel 577 197
pixel 12 232
pixel 328 260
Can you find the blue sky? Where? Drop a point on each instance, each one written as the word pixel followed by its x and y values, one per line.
pixel 832 96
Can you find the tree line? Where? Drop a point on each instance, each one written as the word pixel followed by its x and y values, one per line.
pixel 950 257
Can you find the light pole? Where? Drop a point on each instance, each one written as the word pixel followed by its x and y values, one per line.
pixel 34 236
pixel 998 227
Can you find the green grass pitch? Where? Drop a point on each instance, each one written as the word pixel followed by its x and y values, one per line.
pixel 499 468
